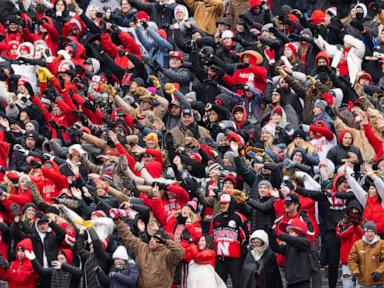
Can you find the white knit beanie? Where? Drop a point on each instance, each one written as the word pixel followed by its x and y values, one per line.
pixel 120 253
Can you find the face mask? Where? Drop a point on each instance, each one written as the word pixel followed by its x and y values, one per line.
pixel 321 68
pixel 89 74
pixel 359 15
pixel 119 266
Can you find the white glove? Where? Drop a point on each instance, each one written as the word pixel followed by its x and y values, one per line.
pixel 21 149
pixel 65 54
pixel 139 166
pixel 306 128
pixel 56 265
pixel 30 255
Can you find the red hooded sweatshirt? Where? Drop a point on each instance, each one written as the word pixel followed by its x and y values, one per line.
pixel 255 75
pixel 20 272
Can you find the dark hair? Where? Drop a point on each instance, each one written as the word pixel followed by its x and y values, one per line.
pixel 209 241
pixel 65 6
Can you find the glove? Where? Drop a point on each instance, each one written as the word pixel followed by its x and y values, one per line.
pixel 376 276
pixel 74 133
pixel 211 83
pixel 20 149
pixel 15 210
pixel 53 124
pixel 169 88
pixel 56 265
pixel 186 236
pixel 295 37
pixel 65 54
pixel 289 163
pixel 270 231
pixel 218 71
pixel 243 65
pixel 306 128
pixel 118 213
pixel 159 238
pixel 139 166
pixel 155 81
pixel 30 255
pixel 4 263
pixel 47 156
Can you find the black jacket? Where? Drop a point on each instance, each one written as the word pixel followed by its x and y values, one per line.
pixel 162 15
pixel 66 277
pixel 263 212
pixel 296 251
pixel 51 244
pixel 332 214
pixel 260 274
pixel 253 178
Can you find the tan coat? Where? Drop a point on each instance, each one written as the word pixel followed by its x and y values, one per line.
pixel 206 13
pixel 359 140
pixel 235 9
pixel 364 259
pixel 156 267
pixel 179 135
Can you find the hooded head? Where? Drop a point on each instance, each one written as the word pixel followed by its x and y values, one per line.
pixel 179 12
pixel 345 138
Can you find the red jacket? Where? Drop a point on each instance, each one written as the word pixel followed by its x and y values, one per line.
pixel 51 37
pixel 50 182
pixel 20 272
pixel 255 75
pixel 375 141
pixel 373 211
pixel 205 257
pixel 348 234
pixel 180 200
pixel 175 229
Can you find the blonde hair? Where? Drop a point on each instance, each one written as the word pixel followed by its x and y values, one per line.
pixel 306 145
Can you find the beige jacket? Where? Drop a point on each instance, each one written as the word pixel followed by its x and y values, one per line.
pixel 157 266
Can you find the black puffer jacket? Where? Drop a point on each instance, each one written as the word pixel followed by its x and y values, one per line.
pixel 66 277
pixel 92 262
pixel 296 251
pixel 263 212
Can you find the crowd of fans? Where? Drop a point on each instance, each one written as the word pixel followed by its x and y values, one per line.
pixel 191 144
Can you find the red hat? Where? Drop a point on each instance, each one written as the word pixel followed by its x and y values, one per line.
pixel 299 226
pixel 177 54
pixel 254 3
pixel 196 156
pixel 278 110
pixel 328 98
pixel 22 81
pixel 13 176
pixel 317 17
pixel 32 158
pixel 293 18
pixel 162 33
pixel 193 205
pixel 365 75
pixel 99 213
pixel 142 15
pixel 231 178
pixel 237 138
pixel 101 79
pixel 293 48
pixel 68 254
